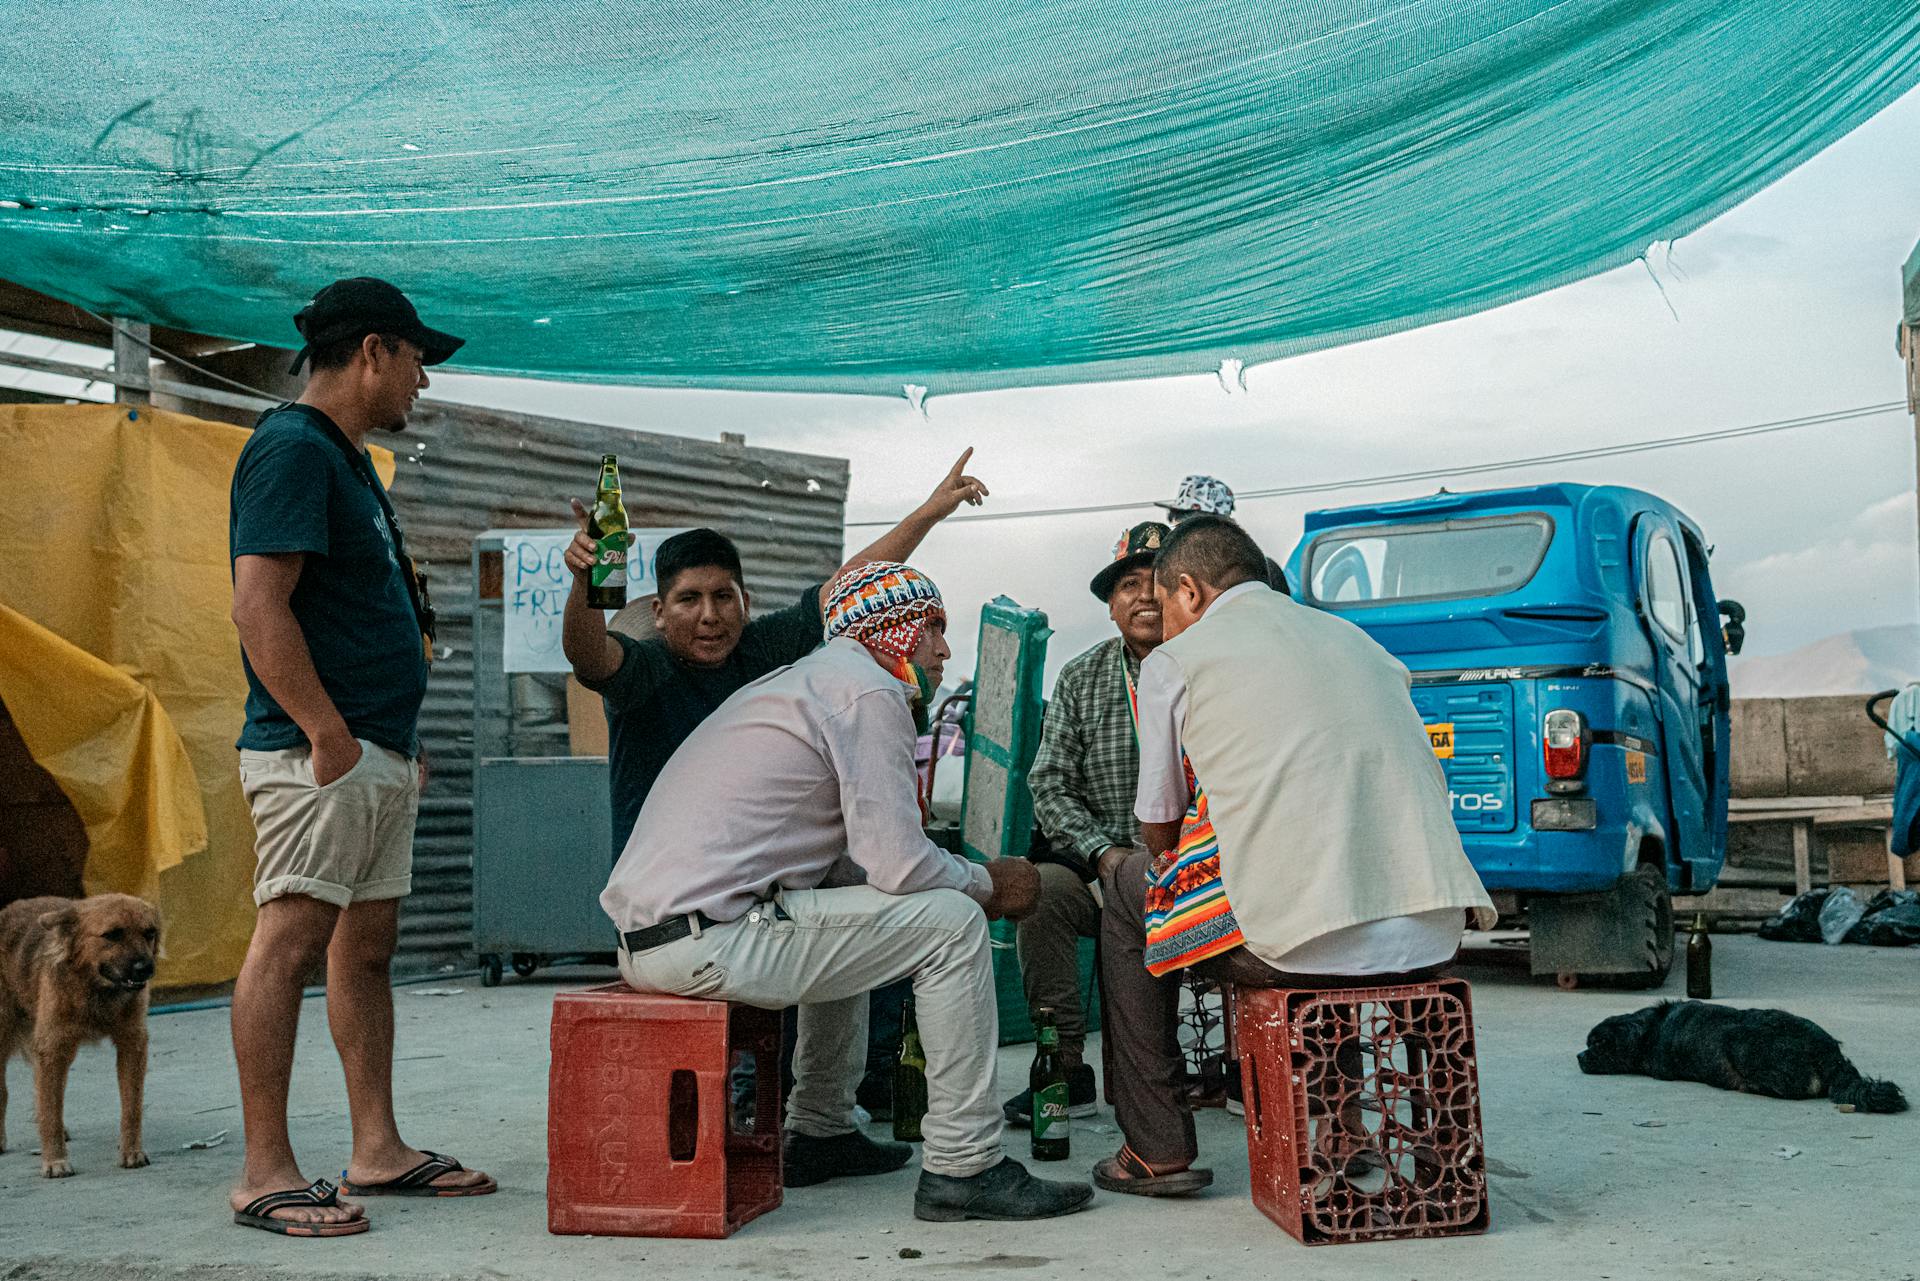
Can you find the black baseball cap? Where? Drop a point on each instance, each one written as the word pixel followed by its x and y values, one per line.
pixel 360 306
pixel 1137 546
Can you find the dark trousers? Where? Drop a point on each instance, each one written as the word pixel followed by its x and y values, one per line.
pixel 886 1028
pixel 1140 1025
pixel 1141 1016
pixel 1048 940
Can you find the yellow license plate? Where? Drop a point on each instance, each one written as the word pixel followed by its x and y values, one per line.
pixel 1441 737
pixel 1636 767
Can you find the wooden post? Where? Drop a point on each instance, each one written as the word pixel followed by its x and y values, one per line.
pixel 131 356
pixel 1802 855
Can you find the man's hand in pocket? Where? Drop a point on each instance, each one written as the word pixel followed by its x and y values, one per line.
pixel 333 757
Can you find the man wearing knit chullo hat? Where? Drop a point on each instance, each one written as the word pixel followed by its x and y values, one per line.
pixel 720 893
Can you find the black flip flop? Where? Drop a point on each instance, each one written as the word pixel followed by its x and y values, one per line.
pixel 419 1181
pixel 321 1194
pixel 1125 1172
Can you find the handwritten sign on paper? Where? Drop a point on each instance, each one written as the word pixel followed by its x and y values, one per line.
pixel 534 583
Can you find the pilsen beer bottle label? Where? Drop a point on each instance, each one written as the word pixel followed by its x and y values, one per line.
pixel 1048 1081
pixel 1050 1120
pixel 610 562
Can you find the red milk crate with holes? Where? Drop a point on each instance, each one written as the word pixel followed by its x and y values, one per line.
pixel 641 1136
pixel 1363 1111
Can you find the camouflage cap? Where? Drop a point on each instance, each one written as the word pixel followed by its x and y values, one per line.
pixel 1136 546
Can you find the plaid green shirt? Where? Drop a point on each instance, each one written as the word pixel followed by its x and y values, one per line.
pixel 1087 769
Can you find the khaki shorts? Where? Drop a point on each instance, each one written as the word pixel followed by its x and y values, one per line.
pixel 348 842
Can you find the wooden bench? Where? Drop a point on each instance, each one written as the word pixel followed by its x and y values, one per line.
pixel 1810 816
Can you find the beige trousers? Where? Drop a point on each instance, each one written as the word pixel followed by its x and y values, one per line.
pixel 824 950
pixel 348 842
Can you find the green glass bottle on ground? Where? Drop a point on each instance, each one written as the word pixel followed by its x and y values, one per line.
pixel 607 527
pixel 1699 961
pixel 1048 1080
pixel 909 1080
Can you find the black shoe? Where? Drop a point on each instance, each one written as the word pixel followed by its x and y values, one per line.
pixel 806 1160
pixel 1083 1099
pixel 1006 1191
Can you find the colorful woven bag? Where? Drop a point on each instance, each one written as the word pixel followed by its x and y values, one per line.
pixel 1188 916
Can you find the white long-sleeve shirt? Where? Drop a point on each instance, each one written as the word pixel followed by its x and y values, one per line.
pixel 805 767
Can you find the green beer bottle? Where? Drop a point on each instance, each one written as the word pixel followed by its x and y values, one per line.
pixel 1048 1081
pixel 1699 961
pixel 607 527
pixel 909 1080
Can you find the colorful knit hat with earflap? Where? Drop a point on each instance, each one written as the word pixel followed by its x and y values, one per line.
pixel 885 606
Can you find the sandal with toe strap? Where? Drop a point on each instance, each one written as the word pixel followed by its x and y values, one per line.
pixel 419 1181
pixel 1126 1172
pixel 320 1195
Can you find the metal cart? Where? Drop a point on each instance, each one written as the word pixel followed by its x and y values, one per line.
pixel 542 829
pixel 542 839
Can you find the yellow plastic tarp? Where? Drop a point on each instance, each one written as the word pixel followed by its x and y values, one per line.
pixel 119 661
pixel 111 748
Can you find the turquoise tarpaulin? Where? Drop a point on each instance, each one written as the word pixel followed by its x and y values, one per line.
pixel 853 195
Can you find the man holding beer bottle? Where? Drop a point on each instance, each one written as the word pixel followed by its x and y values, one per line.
pixel 657 691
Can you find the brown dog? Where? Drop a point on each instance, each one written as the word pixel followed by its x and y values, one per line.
pixel 73 971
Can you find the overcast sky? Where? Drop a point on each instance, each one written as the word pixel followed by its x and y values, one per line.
pixel 1785 306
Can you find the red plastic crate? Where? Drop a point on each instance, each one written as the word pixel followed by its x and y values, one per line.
pixel 640 1133
pixel 1363 1111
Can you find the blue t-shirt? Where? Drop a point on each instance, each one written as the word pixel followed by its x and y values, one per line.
pixel 294 490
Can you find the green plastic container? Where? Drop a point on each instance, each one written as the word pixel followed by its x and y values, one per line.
pixel 1003 733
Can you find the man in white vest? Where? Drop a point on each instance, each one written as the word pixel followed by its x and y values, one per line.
pixel 1318 852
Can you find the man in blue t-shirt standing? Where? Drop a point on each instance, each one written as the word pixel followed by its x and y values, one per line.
pixel 333 626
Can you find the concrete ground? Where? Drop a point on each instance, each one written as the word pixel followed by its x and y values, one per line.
pixel 1593 1177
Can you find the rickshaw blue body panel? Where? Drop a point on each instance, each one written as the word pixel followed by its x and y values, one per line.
pixel 1506 605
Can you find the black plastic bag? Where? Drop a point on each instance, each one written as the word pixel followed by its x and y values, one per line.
pixel 1885 899
pixel 1798 921
pixel 1880 902
pixel 1895 927
pixel 1892 920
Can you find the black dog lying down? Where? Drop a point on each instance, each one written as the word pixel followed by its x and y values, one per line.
pixel 1766 1052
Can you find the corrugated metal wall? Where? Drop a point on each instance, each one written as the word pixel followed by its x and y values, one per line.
pixel 463 470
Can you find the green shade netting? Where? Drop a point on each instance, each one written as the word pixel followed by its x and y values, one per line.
pixel 850 194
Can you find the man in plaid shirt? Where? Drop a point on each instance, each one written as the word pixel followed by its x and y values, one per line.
pixel 1084 778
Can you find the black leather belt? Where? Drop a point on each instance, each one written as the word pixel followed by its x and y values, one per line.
pixel 676 928
pixel 668 931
